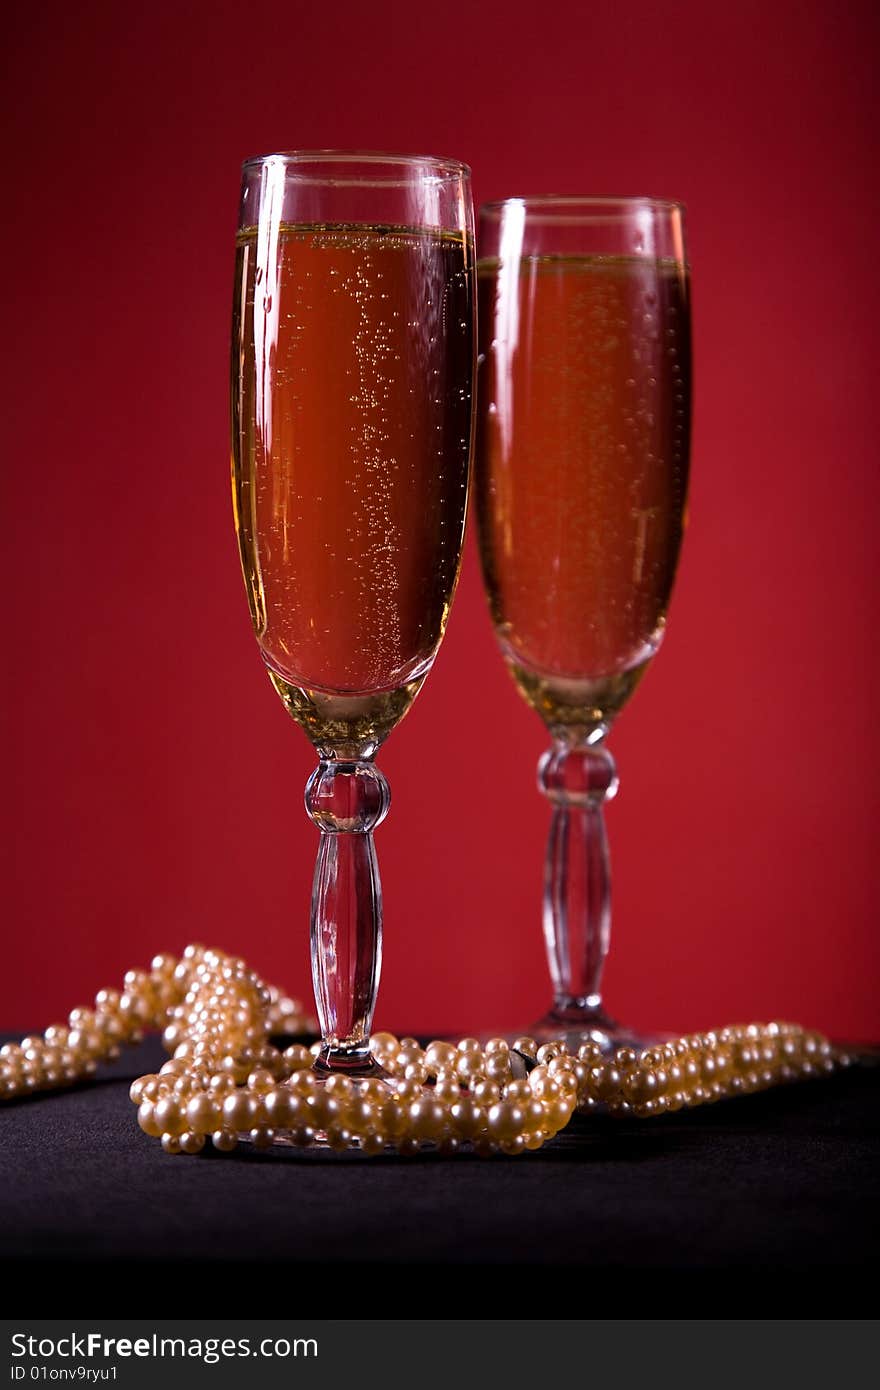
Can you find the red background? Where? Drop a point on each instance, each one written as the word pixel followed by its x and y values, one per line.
pixel 153 783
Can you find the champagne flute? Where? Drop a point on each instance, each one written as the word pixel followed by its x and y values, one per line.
pixel 581 477
pixel 352 394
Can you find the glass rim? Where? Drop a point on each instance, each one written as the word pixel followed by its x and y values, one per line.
pixel 611 203
pixel 443 167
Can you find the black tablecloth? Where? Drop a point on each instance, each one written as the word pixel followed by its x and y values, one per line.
pixel 775 1190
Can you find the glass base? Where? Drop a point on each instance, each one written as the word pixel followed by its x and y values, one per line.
pixel 577 1024
pixel 358 1065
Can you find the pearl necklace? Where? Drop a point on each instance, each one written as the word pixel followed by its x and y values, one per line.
pixel 226 1080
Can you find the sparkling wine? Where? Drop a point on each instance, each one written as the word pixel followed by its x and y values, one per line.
pixel 582 461
pixel 352 365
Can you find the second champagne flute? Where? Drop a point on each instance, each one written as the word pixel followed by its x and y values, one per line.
pixel 582 470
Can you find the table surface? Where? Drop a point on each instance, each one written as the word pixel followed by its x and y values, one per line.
pixel 780 1184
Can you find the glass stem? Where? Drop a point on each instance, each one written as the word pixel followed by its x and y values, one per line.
pixel 577 779
pixel 346 800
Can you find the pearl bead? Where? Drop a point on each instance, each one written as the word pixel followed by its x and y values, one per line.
pixel 426 1119
pixel 440 1054
pixel 372 1144
pixel 640 1085
pixel 297 1057
pixel 515 1145
pixel 559 1113
pixel 239 1111
pixel 340 1087
pixel 221 1083
pixel 408 1090
pixel 301 1135
pixel 393 1116
pixel 147 1119
pixel 466 1117
pixel 191 1143
pixel 136 1089
pixel 262 1138
pixel 486 1092
pixel 504 1121
pixel 518 1091
pixel 224 1140
pixel 323 1109
pixel 203 1114
pixel 169 1115
pixel 339 1138
pixel 283 1108
pixel 467 1066
pixel 544 1086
